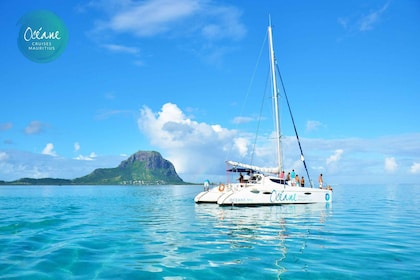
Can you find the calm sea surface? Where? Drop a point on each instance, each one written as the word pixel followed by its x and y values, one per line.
pixel 157 232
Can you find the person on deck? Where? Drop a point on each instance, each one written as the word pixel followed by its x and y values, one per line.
pixel 241 178
pixel 281 176
pixel 320 181
pixel 297 180
pixel 302 182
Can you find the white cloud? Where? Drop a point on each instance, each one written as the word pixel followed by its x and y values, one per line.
pixel 153 17
pixel 121 49
pixel 240 120
pixel 205 21
pixel 223 22
pixel 92 156
pixel 20 164
pixel 242 145
pixel 76 146
pixel 49 150
pixel 390 164
pixel 35 127
pixel 415 168
pixel 363 23
pixel 313 125
pixel 3 156
pixel 367 22
pixel 198 148
pixel 335 157
pixel 149 18
pixel 193 147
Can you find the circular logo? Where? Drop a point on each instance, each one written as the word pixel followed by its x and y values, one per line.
pixel 327 196
pixel 42 36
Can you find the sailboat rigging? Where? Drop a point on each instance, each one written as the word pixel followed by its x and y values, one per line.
pixel 264 186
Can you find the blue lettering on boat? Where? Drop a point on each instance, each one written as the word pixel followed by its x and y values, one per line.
pixel 281 196
pixel 327 196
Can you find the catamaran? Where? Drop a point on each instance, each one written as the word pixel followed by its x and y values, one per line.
pixel 266 186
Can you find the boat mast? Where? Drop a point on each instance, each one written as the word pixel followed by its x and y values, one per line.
pixel 275 97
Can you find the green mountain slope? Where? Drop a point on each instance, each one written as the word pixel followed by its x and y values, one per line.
pixel 141 168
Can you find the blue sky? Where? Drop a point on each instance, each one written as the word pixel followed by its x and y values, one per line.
pixel 178 77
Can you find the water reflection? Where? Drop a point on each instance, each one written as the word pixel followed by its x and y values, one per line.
pixel 263 236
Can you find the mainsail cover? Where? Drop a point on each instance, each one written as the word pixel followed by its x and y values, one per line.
pixel 274 170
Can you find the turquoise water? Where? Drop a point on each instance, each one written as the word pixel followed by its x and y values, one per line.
pixel 157 232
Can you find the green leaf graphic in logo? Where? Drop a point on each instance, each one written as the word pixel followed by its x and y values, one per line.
pixel 42 36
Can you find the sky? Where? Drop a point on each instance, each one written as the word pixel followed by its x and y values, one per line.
pixel 188 78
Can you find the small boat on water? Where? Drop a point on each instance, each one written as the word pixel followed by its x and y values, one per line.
pixel 266 186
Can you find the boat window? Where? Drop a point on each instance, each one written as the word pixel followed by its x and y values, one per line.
pixel 277 181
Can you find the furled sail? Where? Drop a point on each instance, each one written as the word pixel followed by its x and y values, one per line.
pixel 274 170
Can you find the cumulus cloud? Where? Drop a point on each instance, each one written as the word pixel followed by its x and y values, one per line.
pixel 49 150
pixel 415 168
pixel 170 128
pixel 335 157
pixel 390 164
pixel 242 145
pixel 193 147
pixel 92 156
pixel 197 148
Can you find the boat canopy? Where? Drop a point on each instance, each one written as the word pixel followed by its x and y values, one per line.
pixel 248 167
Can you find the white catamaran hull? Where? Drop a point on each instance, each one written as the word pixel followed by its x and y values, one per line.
pixel 211 195
pixel 253 195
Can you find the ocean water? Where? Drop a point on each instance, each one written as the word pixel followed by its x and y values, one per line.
pixel 158 232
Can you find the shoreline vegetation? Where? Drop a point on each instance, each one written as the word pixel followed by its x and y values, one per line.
pixel 141 168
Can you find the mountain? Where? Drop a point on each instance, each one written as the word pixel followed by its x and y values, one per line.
pixel 141 168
